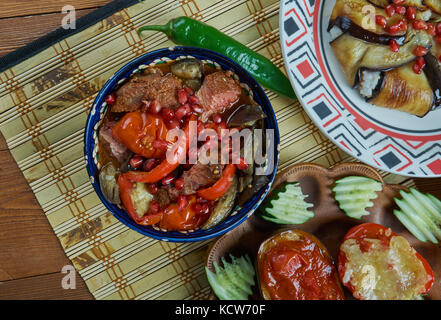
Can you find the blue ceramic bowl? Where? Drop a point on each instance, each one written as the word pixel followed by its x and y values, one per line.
pixel 99 108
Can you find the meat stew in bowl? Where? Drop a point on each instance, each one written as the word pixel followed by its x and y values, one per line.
pixel 200 102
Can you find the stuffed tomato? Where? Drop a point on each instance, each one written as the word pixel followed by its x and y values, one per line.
pixel 374 263
pixel 294 265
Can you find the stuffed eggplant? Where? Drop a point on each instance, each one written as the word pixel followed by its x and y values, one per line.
pixel 395 64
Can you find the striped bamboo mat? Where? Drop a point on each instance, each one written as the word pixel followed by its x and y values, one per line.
pixel 44 103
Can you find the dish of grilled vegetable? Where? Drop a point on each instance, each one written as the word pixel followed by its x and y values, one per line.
pixel 390 51
pixel 348 235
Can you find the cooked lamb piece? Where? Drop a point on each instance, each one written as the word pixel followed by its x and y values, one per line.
pixel 219 90
pixel 166 195
pixel 199 176
pixel 148 87
pixel 119 151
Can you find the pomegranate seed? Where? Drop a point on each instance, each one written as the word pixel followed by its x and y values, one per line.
pixel 173 124
pixel 189 91
pixel 154 207
pixel 438 38
pixel 242 165
pixel 419 25
pixel 152 188
pixel 419 65
pixel 420 51
pixel 201 127
pixel 182 202
pixel 431 29
pixel 182 111
pixel 160 144
pixel 136 161
pixel 155 107
pixel 399 1
pixel 393 28
pixel 411 13
pixel 110 99
pixel 193 100
pixel 168 179
pixel 438 28
pixel 217 118
pixel 400 10
pixel 381 20
pixel 205 208
pixel 197 208
pixel 390 10
pixel 167 113
pixel 182 96
pixel 394 46
pixel 179 183
pixel 403 25
pixel 416 68
pixel 149 164
pixel 421 62
pixel 197 108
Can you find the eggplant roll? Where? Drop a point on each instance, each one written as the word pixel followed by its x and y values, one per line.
pixel 355 54
pixel 404 90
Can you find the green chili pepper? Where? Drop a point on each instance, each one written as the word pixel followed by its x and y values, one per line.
pixel 190 32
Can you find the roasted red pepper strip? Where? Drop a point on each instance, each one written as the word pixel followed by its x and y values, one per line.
pixel 126 187
pixel 221 186
pixel 165 167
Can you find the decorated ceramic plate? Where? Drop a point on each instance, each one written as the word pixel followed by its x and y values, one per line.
pixel 387 139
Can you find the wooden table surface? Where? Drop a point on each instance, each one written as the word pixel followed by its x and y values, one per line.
pixel 31 257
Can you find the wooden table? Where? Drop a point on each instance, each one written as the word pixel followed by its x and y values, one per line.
pixel 31 257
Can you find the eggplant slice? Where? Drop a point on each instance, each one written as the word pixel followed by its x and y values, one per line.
pixel 354 54
pixel 347 26
pixel 404 90
pixel 358 12
pixel 433 74
pixel 223 207
pixel 349 52
pixel 434 5
pixel 380 3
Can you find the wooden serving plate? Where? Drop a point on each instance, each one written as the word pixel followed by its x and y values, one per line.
pixel 329 224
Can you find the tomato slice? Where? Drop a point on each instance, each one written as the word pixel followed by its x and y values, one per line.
pixel 138 130
pixel 376 231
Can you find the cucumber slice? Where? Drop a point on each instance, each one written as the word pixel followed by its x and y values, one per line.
pixel 287 205
pixel 409 225
pixel 234 280
pixel 428 204
pixel 412 207
pixel 436 202
pixel 421 214
pixel 417 221
pixel 354 194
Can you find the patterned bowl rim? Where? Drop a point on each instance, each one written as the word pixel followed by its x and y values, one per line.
pixel 97 112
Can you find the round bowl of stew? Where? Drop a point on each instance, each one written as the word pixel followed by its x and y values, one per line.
pixel 182 144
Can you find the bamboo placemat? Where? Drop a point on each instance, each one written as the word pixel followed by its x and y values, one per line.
pixel 44 103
